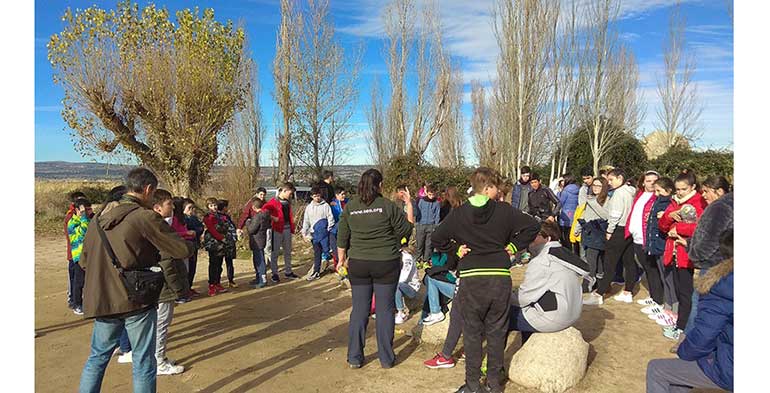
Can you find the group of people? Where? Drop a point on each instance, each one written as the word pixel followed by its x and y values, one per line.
pixel 576 240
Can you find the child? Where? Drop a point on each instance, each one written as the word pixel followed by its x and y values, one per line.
pixel 408 282
pixel 679 227
pixel 178 222
pixel 231 239
pixel 76 231
pixel 337 205
pixel 192 222
pixel 656 245
pixel 438 279
pixel 214 243
pixel 428 216
pixel 175 287
pixel 318 220
pixel 70 212
pixel 283 227
pixel 256 227
pixel 484 233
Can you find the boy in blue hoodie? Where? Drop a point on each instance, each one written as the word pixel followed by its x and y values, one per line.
pixel 428 215
pixel 318 220
pixel 337 205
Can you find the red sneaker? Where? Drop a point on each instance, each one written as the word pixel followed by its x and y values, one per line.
pixel 212 290
pixel 439 361
pixel 220 288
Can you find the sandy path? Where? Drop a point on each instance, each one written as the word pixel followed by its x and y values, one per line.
pixel 292 337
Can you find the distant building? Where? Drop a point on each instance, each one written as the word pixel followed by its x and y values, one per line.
pixel 656 144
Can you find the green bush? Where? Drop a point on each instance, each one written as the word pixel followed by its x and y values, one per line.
pixel 707 163
pixel 628 154
pixel 413 171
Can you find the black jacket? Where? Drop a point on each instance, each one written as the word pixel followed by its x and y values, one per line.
pixel 486 230
pixel 543 203
pixel 327 191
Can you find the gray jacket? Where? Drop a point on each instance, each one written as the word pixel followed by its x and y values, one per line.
pixel 554 273
pixel 315 212
pixel 583 194
pixel 593 211
pixel 257 227
pixel 619 207
pixel 703 247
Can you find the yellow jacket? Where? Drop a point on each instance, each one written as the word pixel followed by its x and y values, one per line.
pixel 578 215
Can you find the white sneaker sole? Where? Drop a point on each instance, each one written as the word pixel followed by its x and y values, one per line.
pixel 448 365
pixel 428 323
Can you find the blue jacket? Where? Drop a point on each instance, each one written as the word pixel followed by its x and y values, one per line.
pixel 428 212
pixel 710 343
pixel 321 234
pixel 520 191
pixel 569 202
pixel 336 212
pixel 656 240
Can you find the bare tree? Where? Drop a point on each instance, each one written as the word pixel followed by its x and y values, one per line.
pixel 448 152
pixel 380 145
pixel 679 113
pixel 134 81
pixel 481 133
pixel 284 79
pixel 326 90
pixel 524 31
pixel 609 105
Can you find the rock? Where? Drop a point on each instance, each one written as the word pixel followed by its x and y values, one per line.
pixel 550 362
pixel 436 333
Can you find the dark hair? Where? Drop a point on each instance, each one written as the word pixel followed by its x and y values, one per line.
pixel 665 183
pixel 161 196
pixel 534 176
pixel 586 171
pixel 326 174
pixel 602 196
pixel 688 177
pixel 525 169
pixel 315 190
pixel 618 172
pixel 222 204
pixel 188 201
pixel 484 177
pixel 82 202
pixel 179 208
pixel 430 188
pixel 550 229
pixel 288 186
pixel 568 179
pixel 369 186
pixel 116 193
pixel 401 187
pixel 717 183
pixel 74 196
pixel 726 245
pixel 602 172
pixel 258 203
pixel 139 178
pixel 339 189
pixel 261 189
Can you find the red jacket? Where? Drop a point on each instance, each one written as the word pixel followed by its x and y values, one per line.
pixel 181 229
pixel 210 221
pixel 246 213
pixel 645 215
pixel 684 230
pixel 67 217
pixel 276 210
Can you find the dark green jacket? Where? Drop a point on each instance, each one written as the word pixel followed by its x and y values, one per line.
pixel 177 284
pixel 373 232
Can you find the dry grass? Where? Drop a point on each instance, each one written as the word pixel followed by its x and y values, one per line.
pixel 52 200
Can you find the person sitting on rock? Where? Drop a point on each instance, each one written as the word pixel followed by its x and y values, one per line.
pixel 550 298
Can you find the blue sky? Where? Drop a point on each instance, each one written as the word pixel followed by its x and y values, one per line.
pixel 469 38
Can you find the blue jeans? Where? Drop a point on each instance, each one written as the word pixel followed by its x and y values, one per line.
pixel 258 258
pixel 434 287
pixel 333 245
pixel 141 334
pixel 403 289
pixel 317 255
pixel 518 323
pixel 125 345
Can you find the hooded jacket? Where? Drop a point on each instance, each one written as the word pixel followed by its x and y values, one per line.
pixel 315 212
pixel 275 208
pixel 176 285
pixel 140 239
pixel 428 211
pixel 710 343
pixel 684 229
pixel 619 207
pixel 373 232
pixel 520 195
pixel 257 227
pixel 655 239
pixel 568 199
pixel 645 215
pixel 703 247
pixel 487 227
pixel 550 295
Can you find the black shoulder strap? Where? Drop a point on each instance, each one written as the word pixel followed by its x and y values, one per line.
pixel 106 242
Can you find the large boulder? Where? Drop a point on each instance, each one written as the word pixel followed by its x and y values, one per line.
pixel 436 333
pixel 550 362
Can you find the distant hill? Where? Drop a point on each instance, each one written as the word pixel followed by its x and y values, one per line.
pixel 60 170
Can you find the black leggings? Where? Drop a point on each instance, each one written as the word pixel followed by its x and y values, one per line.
pixel 650 265
pixel 455 328
pixel 574 247
pixel 215 268
pixel 618 248
pixel 683 283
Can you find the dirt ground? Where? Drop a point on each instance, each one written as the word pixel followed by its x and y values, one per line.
pixel 292 337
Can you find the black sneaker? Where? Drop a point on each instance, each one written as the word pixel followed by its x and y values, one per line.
pixel 314 276
pixel 466 389
pixel 291 275
pixel 275 278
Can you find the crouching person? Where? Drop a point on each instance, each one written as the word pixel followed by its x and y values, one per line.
pixel 550 297
pixel 134 237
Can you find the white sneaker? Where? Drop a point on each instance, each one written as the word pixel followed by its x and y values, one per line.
pixel 647 302
pixel 652 309
pixel 665 320
pixel 593 299
pixel 400 317
pixel 125 358
pixel 166 368
pixel 433 318
pixel 624 297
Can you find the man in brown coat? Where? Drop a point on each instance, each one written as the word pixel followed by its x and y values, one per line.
pixel 140 239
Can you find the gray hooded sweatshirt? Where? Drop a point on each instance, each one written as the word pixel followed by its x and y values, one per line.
pixel 619 207
pixel 314 212
pixel 552 282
